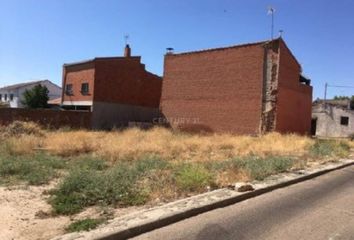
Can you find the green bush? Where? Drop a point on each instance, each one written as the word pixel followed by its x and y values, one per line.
pixel 34 169
pixel 329 148
pixel 261 167
pixel 193 177
pixel 150 162
pixel 119 185
pixel 88 162
pixel 84 225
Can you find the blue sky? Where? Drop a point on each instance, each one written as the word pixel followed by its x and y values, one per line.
pixel 38 36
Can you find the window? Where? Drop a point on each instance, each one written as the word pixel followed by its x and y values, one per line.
pixel 84 88
pixel 69 89
pixel 0 97
pixel 11 97
pixel 5 97
pixel 344 121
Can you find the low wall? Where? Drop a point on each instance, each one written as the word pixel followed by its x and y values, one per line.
pixel 111 115
pixel 46 117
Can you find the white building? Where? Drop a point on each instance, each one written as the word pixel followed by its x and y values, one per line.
pixel 13 95
pixel 332 118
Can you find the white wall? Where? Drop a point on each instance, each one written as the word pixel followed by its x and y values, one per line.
pixel 328 121
pixel 54 92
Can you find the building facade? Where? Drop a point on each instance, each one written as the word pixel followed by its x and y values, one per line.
pixel 13 95
pixel 332 118
pixel 246 89
pixel 118 90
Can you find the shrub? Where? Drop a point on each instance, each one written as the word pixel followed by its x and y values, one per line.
pixel 261 167
pixel 193 177
pixel 150 162
pixel 351 137
pixel 34 169
pixel 329 148
pixel 83 188
pixel 84 225
pixel 18 128
pixel 88 162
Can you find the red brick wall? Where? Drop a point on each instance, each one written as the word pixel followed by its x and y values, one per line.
pixel 76 75
pixel 125 81
pixel 294 101
pixel 46 117
pixel 217 90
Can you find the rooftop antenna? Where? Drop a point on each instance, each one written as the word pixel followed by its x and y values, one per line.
pixel 169 50
pixel 126 38
pixel 281 33
pixel 271 11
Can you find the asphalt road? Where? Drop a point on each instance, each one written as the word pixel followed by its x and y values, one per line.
pixel 321 208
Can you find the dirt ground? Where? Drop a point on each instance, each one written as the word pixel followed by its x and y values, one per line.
pixel 20 209
pixel 24 214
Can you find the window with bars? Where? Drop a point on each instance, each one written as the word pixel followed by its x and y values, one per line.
pixel 68 89
pixel 344 121
pixel 85 88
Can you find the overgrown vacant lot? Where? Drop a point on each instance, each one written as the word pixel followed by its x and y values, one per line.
pixel 135 167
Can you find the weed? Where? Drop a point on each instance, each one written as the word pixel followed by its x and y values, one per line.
pixel 34 169
pixel 88 162
pixel 150 162
pixel 329 148
pixel 351 137
pixel 83 187
pixel 84 225
pixel 261 167
pixel 193 177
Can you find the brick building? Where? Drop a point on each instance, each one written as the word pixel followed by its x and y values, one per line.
pixel 118 90
pixel 245 89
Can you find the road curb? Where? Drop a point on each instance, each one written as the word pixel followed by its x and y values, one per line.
pixel 119 228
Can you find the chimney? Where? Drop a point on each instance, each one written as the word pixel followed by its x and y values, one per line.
pixel 127 51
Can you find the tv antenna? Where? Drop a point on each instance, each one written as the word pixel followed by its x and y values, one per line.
pixel 281 33
pixel 169 50
pixel 126 38
pixel 271 12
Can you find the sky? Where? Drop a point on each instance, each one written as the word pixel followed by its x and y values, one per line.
pixel 38 36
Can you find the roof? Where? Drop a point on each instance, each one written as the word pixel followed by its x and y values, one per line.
pixel 98 58
pixel 221 48
pixel 19 85
pixel 236 46
pixel 56 101
pixel 344 103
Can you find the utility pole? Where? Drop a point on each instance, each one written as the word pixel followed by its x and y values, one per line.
pixel 325 95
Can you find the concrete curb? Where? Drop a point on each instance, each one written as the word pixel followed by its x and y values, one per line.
pixel 144 221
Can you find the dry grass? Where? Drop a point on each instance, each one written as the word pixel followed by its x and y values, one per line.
pixel 132 144
pixel 351 143
pixel 147 166
pixel 24 144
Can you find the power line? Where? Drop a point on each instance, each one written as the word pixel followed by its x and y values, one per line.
pixel 333 86
pixel 338 86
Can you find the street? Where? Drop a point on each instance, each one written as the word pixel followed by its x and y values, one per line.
pixel 321 208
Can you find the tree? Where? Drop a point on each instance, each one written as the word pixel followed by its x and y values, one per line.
pixel 340 97
pixel 37 97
